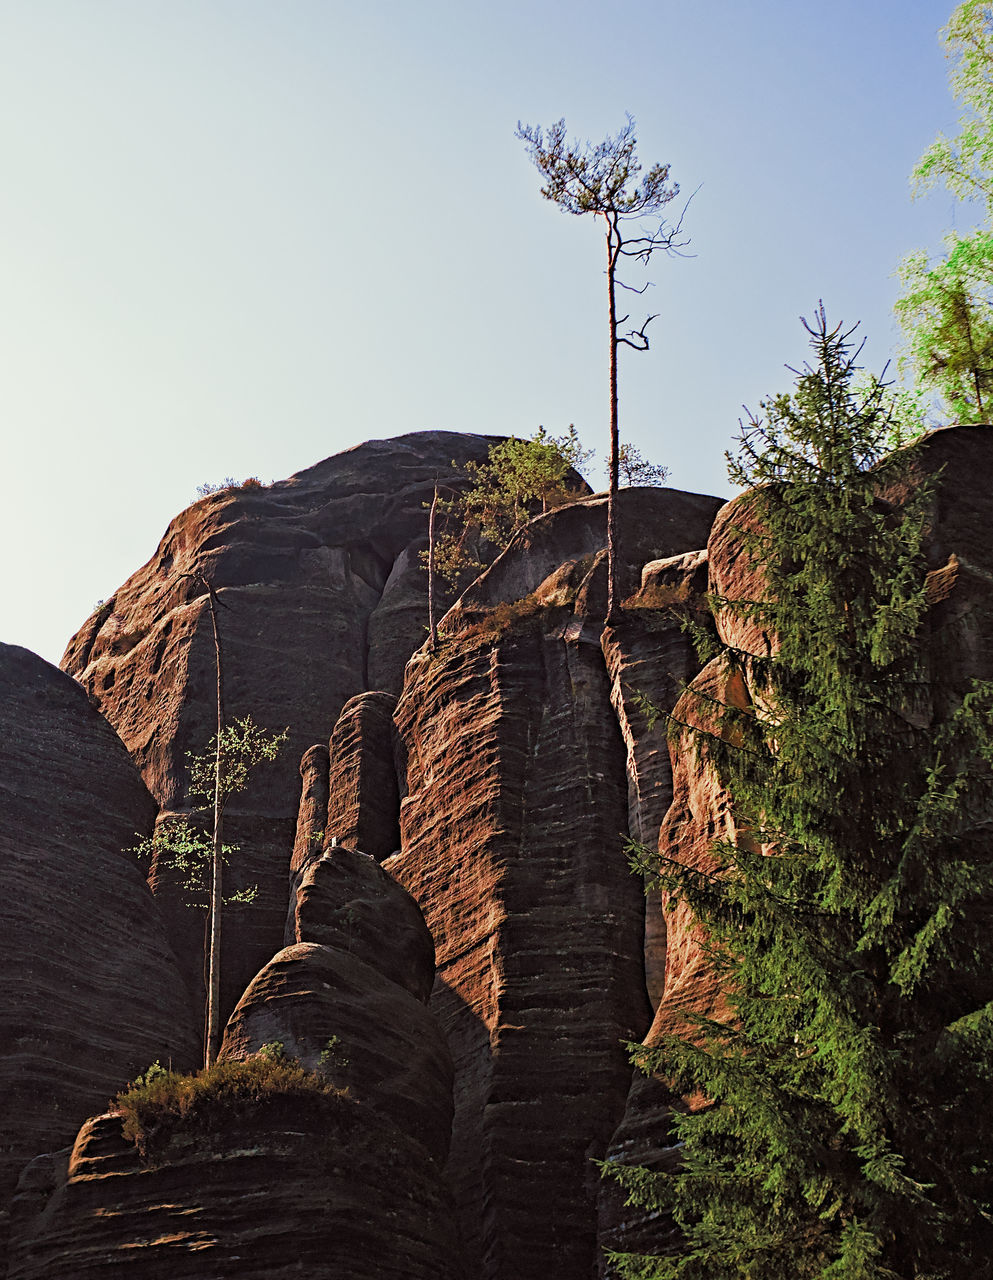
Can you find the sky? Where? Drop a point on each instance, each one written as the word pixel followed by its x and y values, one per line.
pixel 238 236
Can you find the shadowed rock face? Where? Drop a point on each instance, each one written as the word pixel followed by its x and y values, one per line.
pixel 90 993
pixel 387 1048
pixel 516 798
pixel 308 572
pixel 347 901
pixel 280 1193
pixel 650 658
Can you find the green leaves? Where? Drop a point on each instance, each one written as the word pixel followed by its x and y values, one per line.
pixel 243 745
pixel 946 313
pixel 520 478
pixel 181 845
pixel 598 178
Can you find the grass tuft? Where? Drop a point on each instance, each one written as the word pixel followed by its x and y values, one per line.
pixel 161 1105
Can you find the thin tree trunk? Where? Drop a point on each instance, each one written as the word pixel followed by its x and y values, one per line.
pixel 432 620
pixel 612 481
pixel 212 1039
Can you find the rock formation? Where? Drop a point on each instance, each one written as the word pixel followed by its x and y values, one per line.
pixel 319 584
pixel 348 1187
pixel 515 801
pixel 278 1193
pixel 474 805
pixel 90 992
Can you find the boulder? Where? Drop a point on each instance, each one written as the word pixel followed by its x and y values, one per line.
pixel 346 900
pixel 333 1011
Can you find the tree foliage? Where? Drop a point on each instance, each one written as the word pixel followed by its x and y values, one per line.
pixel 518 479
pixel 849 918
pixel 947 307
pixel 183 844
pixel 947 314
pixel 635 469
pixel 606 179
pixel 195 855
pixel 964 164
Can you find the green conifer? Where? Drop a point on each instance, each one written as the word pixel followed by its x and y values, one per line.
pixel 849 1135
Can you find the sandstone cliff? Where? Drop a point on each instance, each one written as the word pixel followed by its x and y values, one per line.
pixel 90 992
pixel 321 593
pixel 517 784
pixel 470 802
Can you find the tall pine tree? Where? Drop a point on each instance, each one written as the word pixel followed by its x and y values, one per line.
pixel 850 1134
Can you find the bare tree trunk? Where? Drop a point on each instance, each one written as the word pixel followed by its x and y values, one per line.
pixel 212 1038
pixel 432 620
pixel 612 481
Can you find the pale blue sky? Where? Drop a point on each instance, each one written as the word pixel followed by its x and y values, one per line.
pixel 240 235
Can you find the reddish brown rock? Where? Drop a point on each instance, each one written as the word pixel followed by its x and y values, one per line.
pixel 300 567
pixel 336 1193
pixel 312 815
pixel 90 993
pixel 512 822
pixel 363 802
pixel 650 659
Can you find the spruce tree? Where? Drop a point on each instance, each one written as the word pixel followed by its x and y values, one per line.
pixel 847 1133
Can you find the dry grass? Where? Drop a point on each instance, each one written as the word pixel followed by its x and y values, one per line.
pixel 162 1104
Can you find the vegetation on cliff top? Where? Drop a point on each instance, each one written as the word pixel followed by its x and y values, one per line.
pixel 162 1104
pixel 605 179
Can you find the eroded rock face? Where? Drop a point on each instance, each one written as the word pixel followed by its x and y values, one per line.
pixel 363 800
pixel 346 900
pixel 387 1047
pixel 300 569
pixel 90 993
pixel 650 659
pixel 515 800
pixel 284 1191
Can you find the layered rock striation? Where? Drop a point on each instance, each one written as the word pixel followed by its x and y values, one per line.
pixel 516 798
pixel 320 589
pixel 90 991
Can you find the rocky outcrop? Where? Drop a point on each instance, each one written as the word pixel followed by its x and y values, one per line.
pixel 650 659
pixel 286 1184
pixel 332 1193
pixel 90 993
pixel 516 798
pixel 363 800
pixel 317 577
pixel 330 1009
pixel 347 901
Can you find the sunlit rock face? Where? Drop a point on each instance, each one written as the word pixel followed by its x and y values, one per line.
pixel 309 573
pixel 516 794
